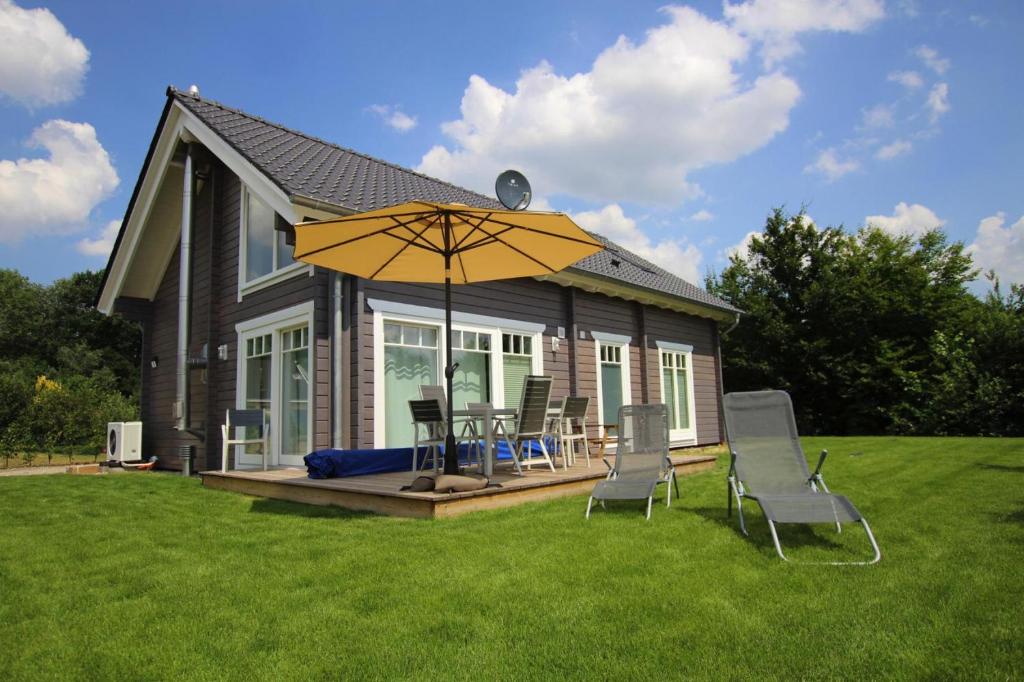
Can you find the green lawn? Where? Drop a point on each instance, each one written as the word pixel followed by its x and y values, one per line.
pixel 152 577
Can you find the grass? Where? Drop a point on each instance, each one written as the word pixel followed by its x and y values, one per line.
pixel 153 577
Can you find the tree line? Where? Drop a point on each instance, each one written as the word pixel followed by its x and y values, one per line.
pixel 65 368
pixel 874 333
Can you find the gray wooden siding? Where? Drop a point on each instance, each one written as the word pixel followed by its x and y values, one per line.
pixel 545 303
pixel 215 312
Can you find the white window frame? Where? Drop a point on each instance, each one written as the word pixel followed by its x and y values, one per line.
pixel 679 436
pixel 622 342
pixel 275 323
pixel 274 276
pixel 390 311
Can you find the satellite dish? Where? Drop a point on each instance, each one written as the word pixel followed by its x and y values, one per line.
pixel 513 190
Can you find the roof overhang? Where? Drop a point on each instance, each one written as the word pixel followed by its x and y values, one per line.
pixel 609 287
pixel 151 229
pixel 140 256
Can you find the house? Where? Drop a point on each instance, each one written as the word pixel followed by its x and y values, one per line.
pixel 334 358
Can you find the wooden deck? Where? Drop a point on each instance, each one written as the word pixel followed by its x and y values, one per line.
pixel 380 493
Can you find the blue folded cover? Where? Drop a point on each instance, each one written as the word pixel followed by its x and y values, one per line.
pixel 332 463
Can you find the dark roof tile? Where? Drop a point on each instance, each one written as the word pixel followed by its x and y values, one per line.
pixel 303 165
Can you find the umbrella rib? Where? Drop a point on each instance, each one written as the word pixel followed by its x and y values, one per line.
pixel 515 248
pixel 514 226
pixel 476 227
pixel 396 254
pixel 383 230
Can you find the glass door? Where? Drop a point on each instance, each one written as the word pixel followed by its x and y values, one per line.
pixel 295 390
pixel 275 378
pixel 410 360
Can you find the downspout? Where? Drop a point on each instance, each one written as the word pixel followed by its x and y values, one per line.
pixel 337 360
pixel 184 295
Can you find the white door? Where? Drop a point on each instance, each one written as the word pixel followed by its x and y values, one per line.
pixel 275 370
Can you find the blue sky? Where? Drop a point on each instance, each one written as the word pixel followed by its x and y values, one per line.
pixel 672 129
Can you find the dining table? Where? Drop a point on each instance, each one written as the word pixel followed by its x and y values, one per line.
pixel 487 415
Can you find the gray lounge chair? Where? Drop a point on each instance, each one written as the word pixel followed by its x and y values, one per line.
pixel 641 458
pixel 768 466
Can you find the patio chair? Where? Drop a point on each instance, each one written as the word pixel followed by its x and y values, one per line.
pixel 239 419
pixel 429 392
pixel 531 424
pixel 641 458
pixel 427 414
pixel 768 466
pixel 571 428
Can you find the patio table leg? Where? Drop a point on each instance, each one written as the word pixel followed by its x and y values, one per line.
pixel 488 459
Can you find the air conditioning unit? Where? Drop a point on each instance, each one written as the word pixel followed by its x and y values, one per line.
pixel 124 441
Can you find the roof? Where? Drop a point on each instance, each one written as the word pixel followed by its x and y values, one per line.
pixel 306 166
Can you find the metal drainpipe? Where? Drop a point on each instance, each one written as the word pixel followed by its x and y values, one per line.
pixel 337 358
pixel 184 294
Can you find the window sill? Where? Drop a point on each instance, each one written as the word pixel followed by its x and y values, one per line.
pixel 273 278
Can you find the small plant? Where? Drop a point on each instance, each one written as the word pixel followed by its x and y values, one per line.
pixel 28 456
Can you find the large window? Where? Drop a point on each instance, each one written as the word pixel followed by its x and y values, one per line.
pixel 613 389
pixel 266 248
pixel 494 355
pixel 677 389
pixel 274 375
pixel 295 391
pixel 471 382
pixel 517 361
pixel 410 360
pixel 258 359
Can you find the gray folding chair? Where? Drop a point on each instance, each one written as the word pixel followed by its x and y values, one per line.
pixel 641 458
pixel 427 413
pixel 572 429
pixel 768 466
pixel 531 424
pixel 239 419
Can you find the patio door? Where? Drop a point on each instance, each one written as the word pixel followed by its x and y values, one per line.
pixel 274 376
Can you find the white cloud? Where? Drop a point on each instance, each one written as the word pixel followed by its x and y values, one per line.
pixel 894 149
pixel 878 116
pixel 742 249
pixel 40 62
pixel 979 20
pixel 938 101
pixel 913 220
pixel 777 22
pixel 55 195
pixel 103 245
pixel 911 80
pixel 1000 248
pixel 631 128
pixel 702 216
pixel 675 255
pixel 831 166
pixel 931 59
pixel 394 117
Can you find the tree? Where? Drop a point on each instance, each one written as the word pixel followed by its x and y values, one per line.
pixel 850 325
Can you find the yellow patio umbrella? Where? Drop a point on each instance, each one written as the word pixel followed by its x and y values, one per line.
pixel 422 241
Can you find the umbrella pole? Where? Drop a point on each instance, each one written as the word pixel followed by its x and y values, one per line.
pixel 451 453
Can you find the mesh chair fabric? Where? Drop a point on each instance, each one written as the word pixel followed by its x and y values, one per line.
pixel 762 432
pixel 642 442
pixel 813 508
pixel 246 418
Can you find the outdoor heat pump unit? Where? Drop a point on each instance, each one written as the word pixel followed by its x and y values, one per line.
pixel 124 441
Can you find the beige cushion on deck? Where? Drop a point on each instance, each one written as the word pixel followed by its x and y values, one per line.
pixel 447 483
pixel 422 484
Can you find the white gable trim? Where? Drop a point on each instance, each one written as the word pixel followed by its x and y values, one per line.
pixel 182 123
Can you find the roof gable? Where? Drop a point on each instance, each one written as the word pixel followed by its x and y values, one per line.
pixel 311 171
